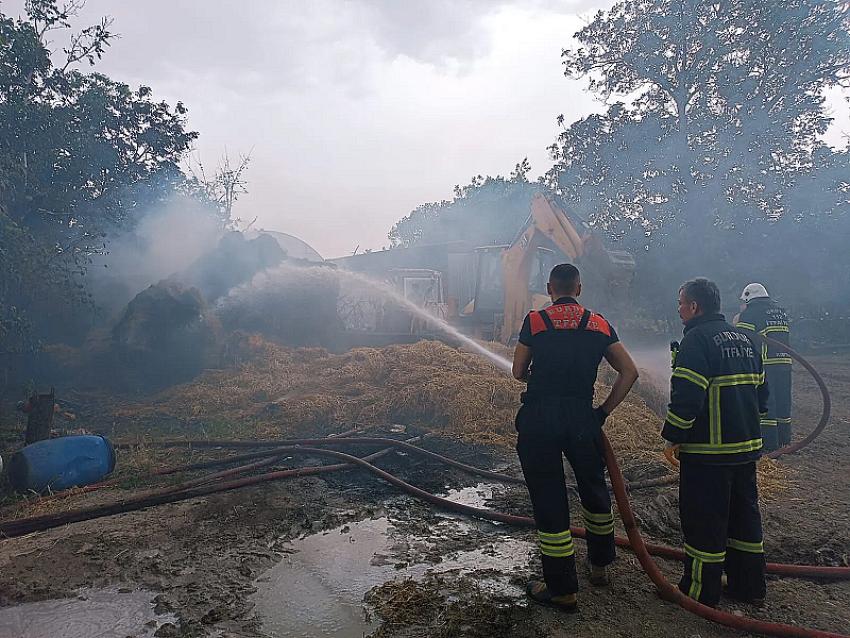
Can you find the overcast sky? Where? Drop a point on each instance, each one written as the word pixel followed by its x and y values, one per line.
pixel 357 111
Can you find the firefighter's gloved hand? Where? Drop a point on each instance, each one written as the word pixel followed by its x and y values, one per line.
pixel 671 453
pixel 601 415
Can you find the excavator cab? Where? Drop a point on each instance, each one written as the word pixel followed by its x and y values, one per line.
pixel 488 305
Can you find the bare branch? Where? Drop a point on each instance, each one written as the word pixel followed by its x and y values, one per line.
pixel 89 44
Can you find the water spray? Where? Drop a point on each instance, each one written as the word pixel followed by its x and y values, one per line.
pixel 383 288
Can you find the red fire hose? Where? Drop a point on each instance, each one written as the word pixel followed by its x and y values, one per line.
pixel 827 403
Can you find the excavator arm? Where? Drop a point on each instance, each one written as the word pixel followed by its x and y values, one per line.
pixel 547 224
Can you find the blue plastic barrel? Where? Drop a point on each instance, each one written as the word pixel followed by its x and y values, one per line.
pixel 57 464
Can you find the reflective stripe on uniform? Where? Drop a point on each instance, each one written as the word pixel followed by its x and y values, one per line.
pixel 559 545
pixel 746 326
pixel 770 329
pixel 677 421
pixel 599 524
pixel 692 376
pixel 696 579
pixel 746 378
pixel 784 420
pixel 744 546
pixel 715 434
pixel 768 423
pixel 778 361
pixel 739 447
pixel 706 557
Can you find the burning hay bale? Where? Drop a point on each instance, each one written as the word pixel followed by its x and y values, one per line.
pixel 234 261
pixel 164 336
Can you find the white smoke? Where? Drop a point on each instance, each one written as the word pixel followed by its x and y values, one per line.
pixel 166 240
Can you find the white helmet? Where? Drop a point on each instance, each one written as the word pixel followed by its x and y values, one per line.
pixel 754 291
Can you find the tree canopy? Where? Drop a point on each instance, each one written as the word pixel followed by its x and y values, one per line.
pixel 488 210
pixel 709 157
pixel 79 153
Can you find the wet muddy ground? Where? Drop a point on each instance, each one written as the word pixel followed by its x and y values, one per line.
pixel 346 555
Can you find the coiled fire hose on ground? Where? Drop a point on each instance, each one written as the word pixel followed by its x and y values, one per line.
pixel 198 487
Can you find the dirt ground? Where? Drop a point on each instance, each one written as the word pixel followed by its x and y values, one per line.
pixel 203 557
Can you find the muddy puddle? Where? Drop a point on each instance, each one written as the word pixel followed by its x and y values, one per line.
pixel 93 613
pixel 318 587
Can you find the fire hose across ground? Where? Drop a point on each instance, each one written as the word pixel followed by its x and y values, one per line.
pixel 208 485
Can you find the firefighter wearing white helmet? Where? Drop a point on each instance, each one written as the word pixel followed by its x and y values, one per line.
pixel 761 317
pixel 754 291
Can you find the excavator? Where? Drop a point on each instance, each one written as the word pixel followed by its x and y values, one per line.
pixel 487 291
pixel 526 262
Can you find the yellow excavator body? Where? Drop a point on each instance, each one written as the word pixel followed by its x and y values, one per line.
pixel 548 225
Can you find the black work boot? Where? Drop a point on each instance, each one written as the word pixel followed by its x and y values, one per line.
pixel 537 591
pixel 597 574
pixel 755 601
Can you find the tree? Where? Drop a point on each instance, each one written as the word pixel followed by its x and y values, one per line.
pixel 222 188
pixel 715 122
pixel 488 210
pixel 79 152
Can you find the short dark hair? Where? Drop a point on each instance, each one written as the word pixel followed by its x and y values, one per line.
pixel 564 279
pixel 704 292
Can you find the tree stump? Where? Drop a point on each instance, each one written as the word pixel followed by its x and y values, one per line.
pixel 40 416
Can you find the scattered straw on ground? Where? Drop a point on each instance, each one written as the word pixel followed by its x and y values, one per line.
pixel 773 478
pixel 442 606
pixel 278 391
pixel 281 391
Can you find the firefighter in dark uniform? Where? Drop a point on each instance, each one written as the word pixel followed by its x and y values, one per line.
pixel 718 394
pixel 762 317
pixel 558 354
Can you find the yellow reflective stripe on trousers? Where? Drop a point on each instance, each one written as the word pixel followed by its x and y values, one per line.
pixel 690 375
pixel 599 524
pixel 723 448
pixel 768 423
pixel 707 557
pixel 696 579
pixel 744 546
pixel 606 517
pixel 698 557
pixel 783 421
pixel 557 551
pixel 599 530
pixel 677 421
pixel 559 545
pixel 559 537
